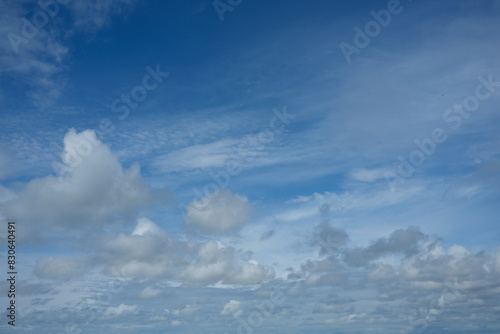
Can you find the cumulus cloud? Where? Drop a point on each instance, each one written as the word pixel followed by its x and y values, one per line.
pixel 95 190
pixel 220 212
pixel 215 263
pixel 149 252
pixel 146 252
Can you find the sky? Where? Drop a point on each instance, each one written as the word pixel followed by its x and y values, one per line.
pixel 238 166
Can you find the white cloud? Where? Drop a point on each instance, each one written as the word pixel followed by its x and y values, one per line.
pixel 436 264
pixel 221 212
pixel 145 226
pixel 97 190
pixel 250 272
pixel 215 263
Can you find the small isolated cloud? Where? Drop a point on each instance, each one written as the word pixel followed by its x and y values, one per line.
pixel 60 268
pixel 221 212
pixel 120 311
pixel 149 252
pixel 232 308
pixel 146 252
pixel 145 226
pixel 215 263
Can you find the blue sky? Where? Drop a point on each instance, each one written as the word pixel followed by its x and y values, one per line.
pixel 251 167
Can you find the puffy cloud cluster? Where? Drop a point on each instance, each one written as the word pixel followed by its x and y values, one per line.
pixel 412 273
pixel 96 190
pixel 149 252
pixel 400 241
pixel 328 238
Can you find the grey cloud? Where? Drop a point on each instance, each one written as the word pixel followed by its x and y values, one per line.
pixel 328 238
pixel 97 190
pixel 399 242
